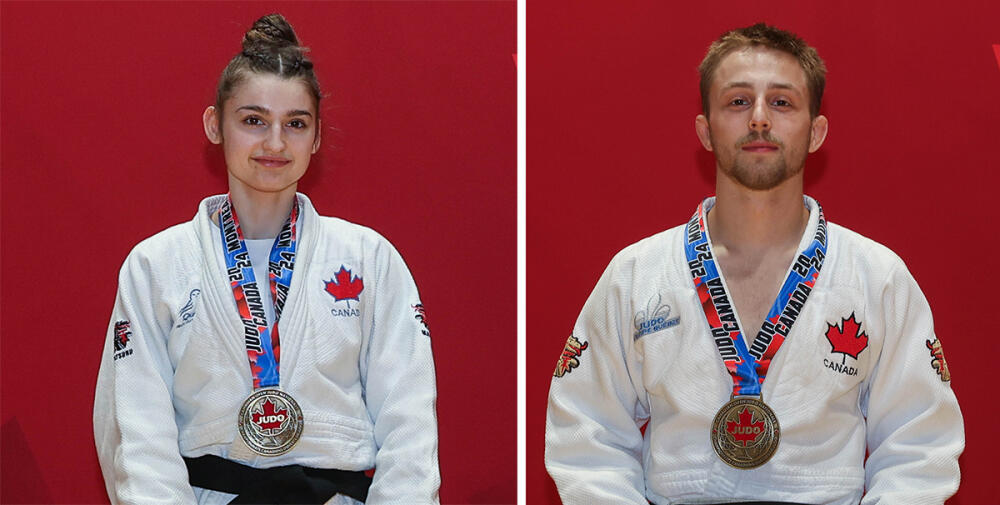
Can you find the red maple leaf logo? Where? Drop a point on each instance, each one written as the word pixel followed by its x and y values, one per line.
pixel 849 340
pixel 270 419
pixel 343 287
pixel 745 431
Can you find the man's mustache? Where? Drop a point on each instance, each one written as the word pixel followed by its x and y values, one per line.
pixel 758 137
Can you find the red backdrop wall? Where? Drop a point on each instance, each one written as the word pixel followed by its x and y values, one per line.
pixel 102 146
pixel 911 161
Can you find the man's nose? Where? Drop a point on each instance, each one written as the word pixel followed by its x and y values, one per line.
pixel 760 121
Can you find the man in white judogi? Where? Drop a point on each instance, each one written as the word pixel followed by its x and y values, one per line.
pixel 690 331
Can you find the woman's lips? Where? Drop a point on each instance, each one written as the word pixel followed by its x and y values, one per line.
pixel 271 162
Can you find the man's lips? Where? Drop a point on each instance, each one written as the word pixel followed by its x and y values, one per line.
pixel 271 161
pixel 760 147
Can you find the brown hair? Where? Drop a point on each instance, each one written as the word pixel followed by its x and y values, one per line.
pixel 269 47
pixel 770 37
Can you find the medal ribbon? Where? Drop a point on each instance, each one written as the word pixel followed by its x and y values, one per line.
pixel 748 367
pixel 262 343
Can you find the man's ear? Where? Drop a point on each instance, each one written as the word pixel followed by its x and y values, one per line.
pixel 701 128
pixel 818 132
pixel 213 130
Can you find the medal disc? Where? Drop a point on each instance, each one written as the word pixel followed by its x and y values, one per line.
pixel 745 432
pixel 270 422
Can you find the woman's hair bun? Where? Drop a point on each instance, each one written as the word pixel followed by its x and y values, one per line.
pixel 269 47
pixel 270 31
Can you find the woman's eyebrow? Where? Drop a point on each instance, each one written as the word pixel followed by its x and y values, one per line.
pixel 255 108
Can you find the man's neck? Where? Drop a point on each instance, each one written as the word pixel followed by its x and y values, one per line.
pixel 750 221
pixel 261 214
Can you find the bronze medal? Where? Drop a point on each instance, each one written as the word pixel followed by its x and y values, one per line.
pixel 745 432
pixel 270 422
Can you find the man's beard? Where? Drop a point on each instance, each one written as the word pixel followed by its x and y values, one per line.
pixel 758 175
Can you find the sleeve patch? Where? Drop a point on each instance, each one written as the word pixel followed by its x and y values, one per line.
pixel 421 316
pixel 937 360
pixel 122 336
pixel 570 356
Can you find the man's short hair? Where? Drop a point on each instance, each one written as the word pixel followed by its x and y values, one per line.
pixel 762 35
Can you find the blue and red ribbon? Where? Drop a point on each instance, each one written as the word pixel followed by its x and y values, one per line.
pixel 748 366
pixel 262 343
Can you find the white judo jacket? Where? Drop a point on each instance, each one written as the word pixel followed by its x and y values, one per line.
pixel 642 351
pixel 174 372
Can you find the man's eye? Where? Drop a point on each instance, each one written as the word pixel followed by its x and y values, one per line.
pixel 738 101
pixel 781 103
pixel 253 121
pixel 297 123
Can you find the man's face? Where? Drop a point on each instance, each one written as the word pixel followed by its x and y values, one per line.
pixel 758 125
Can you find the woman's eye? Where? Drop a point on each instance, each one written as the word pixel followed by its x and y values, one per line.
pixel 297 123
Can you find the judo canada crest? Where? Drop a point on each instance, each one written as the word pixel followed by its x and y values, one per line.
pixel 344 287
pixel 655 317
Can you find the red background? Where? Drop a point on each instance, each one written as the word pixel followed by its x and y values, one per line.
pixel 102 146
pixel 911 161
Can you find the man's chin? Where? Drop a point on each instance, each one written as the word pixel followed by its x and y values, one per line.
pixel 759 178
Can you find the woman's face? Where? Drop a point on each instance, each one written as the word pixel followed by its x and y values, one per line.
pixel 269 130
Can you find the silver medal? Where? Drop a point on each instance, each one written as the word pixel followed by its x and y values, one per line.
pixel 270 422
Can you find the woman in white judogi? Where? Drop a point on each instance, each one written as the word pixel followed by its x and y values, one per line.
pixel 261 352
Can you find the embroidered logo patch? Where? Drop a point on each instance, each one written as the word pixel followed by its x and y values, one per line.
pixel 345 287
pixel 570 356
pixel 654 318
pixel 122 336
pixel 937 360
pixel 186 313
pixel 421 316
pixel 847 339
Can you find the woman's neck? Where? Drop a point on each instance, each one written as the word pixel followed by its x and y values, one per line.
pixel 262 214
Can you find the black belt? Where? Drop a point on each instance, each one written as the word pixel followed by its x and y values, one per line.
pixel 278 485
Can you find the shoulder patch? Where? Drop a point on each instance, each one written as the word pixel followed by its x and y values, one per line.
pixel 122 336
pixel 937 360
pixel 570 356
pixel 421 316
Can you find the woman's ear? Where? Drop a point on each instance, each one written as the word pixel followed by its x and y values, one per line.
pixel 213 129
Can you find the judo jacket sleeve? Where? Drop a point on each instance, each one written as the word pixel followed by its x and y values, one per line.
pixel 397 373
pixel 134 426
pixel 593 445
pixel 915 430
